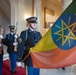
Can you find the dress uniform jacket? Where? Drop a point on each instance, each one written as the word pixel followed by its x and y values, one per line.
pixel 8 41
pixel 27 42
pixel 1 60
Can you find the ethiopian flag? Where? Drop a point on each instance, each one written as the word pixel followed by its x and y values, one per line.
pixel 57 48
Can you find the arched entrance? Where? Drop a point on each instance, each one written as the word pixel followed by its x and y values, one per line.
pixel 5 17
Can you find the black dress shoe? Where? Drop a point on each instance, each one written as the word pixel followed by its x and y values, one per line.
pixel 13 72
pixel 63 68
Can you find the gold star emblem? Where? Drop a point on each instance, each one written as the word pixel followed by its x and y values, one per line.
pixel 69 35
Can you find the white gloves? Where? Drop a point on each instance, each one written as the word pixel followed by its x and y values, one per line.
pixel 16 36
pixel 15 44
pixel 1 45
pixel 1 36
pixel 19 64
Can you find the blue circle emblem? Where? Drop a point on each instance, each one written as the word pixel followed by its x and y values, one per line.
pixel 64 31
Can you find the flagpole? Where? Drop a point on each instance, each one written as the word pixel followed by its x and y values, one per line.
pixel 26 57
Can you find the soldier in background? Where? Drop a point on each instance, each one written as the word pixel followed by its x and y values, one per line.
pixel 9 41
pixel 29 38
pixel 1 50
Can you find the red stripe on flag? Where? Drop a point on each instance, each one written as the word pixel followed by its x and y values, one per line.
pixel 54 58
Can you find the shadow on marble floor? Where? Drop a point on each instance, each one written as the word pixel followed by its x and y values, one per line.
pixel 70 70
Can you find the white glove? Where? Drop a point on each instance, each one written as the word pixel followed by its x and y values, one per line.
pixel 1 36
pixel 1 45
pixel 16 36
pixel 15 43
pixel 19 64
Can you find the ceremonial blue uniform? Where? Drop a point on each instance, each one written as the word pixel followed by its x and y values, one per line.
pixel 1 50
pixel 29 38
pixel 8 41
pixel 32 38
pixel 1 61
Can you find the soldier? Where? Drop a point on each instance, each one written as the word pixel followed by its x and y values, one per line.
pixel 9 41
pixel 1 52
pixel 28 39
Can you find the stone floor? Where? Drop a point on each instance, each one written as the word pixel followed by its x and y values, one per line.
pixel 71 70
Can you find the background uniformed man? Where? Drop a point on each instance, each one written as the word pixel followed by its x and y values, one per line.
pixel 29 38
pixel 1 50
pixel 9 41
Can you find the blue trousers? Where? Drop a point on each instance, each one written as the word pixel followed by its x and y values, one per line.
pixel 13 57
pixel 1 63
pixel 32 71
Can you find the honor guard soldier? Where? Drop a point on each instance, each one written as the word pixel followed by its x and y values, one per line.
pixel 1 50
pixel 9 41
pixel 28 39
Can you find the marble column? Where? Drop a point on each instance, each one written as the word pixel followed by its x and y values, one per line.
pixel 0 18
pixel 37 13
pixel 65 3
pixel 12 12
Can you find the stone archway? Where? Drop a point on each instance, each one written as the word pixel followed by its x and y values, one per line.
pixel 5 17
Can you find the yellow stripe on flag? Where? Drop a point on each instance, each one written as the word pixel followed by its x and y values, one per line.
pixel 45 44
